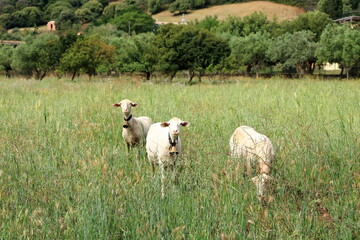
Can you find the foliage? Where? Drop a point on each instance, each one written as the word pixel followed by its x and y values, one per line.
pixel 188 48
pixel 87 56
pixel 294 49
pixel 209 23
pixel 105 32
pixel 339 44
pixel 89 11
pixel 331 7
pixel 6 53
pixel 314 21
pixel 256 22
pixel 118 8
pixel 134 21
pixel 155 6
pixel 136 54
pixel 39 55
pixel 180 6
pixel 27 17
pixel 250 50
pixel 232 25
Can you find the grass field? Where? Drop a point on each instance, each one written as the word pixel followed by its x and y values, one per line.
pixel 64 173
pixel 270 9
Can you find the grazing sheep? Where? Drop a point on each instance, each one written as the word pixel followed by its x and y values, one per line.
pixel 258 151
pixel 163 145
pixel 135 129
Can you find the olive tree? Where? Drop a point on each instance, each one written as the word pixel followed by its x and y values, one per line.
pixel 39 55
pixel 294 50
pixel 182 47
pixel 340 44
pixel 87 56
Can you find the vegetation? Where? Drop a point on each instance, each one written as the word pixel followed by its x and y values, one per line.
pixel 188 48
pixel 87 56
pixel 295 50
pixel 340 44
pixel 64 173
pixel 331 7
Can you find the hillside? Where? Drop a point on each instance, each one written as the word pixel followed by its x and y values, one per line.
pixel 281 11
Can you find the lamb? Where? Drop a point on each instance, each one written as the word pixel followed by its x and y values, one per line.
pixel 135 129
pixel 257 150
pixel 163 145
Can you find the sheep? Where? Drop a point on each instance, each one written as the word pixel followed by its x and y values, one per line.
pixel 257 150
pixel 135 129
pixel 163 145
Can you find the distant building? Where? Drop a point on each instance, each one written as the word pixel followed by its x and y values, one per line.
pixel 51 26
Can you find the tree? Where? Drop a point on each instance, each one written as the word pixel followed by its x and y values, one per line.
pixel 6 53
pixel 118 8
pixel 181 6
pixel 339 44
pixel 134 21
pixel 89 11
pixel 136 54
pixel 250 50
pixel 254 23
pixel 182 47
pixel 39 55
pixel 155 6
pixel 331 7
pixel 209 23
pixel 312 21
pixel 294 50
pixel 27 17
pixel 232 25
pixel 87 56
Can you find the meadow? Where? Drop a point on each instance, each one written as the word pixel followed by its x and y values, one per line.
pixel 64 173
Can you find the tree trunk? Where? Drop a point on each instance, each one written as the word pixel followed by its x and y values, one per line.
pixel 37 75
pixel 201 73
pixel 347 73
pixel 342 71
pixel 172 75
pixel 73 76
pixel 42 76
pixel 147 76
pixel 191 75
pixel 300 70
pixel 248 70
pixel 255 67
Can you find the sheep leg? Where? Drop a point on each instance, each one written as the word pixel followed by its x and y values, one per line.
pixel 128 149
pixel 248 167
pixel 153 167
pixel 162 178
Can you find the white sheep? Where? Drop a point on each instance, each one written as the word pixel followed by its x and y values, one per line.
pixel 163 145
pixel 258 152
pixel 135 129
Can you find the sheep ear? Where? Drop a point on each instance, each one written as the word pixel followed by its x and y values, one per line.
pixel 164 124
pixel 185 124
pixel 133 104
pixel 117 104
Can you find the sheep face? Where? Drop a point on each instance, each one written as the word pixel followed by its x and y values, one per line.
pixel 125 105
pixel 262 184
pixel 175 125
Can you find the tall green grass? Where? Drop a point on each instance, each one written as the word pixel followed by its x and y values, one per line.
pixel 64 173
